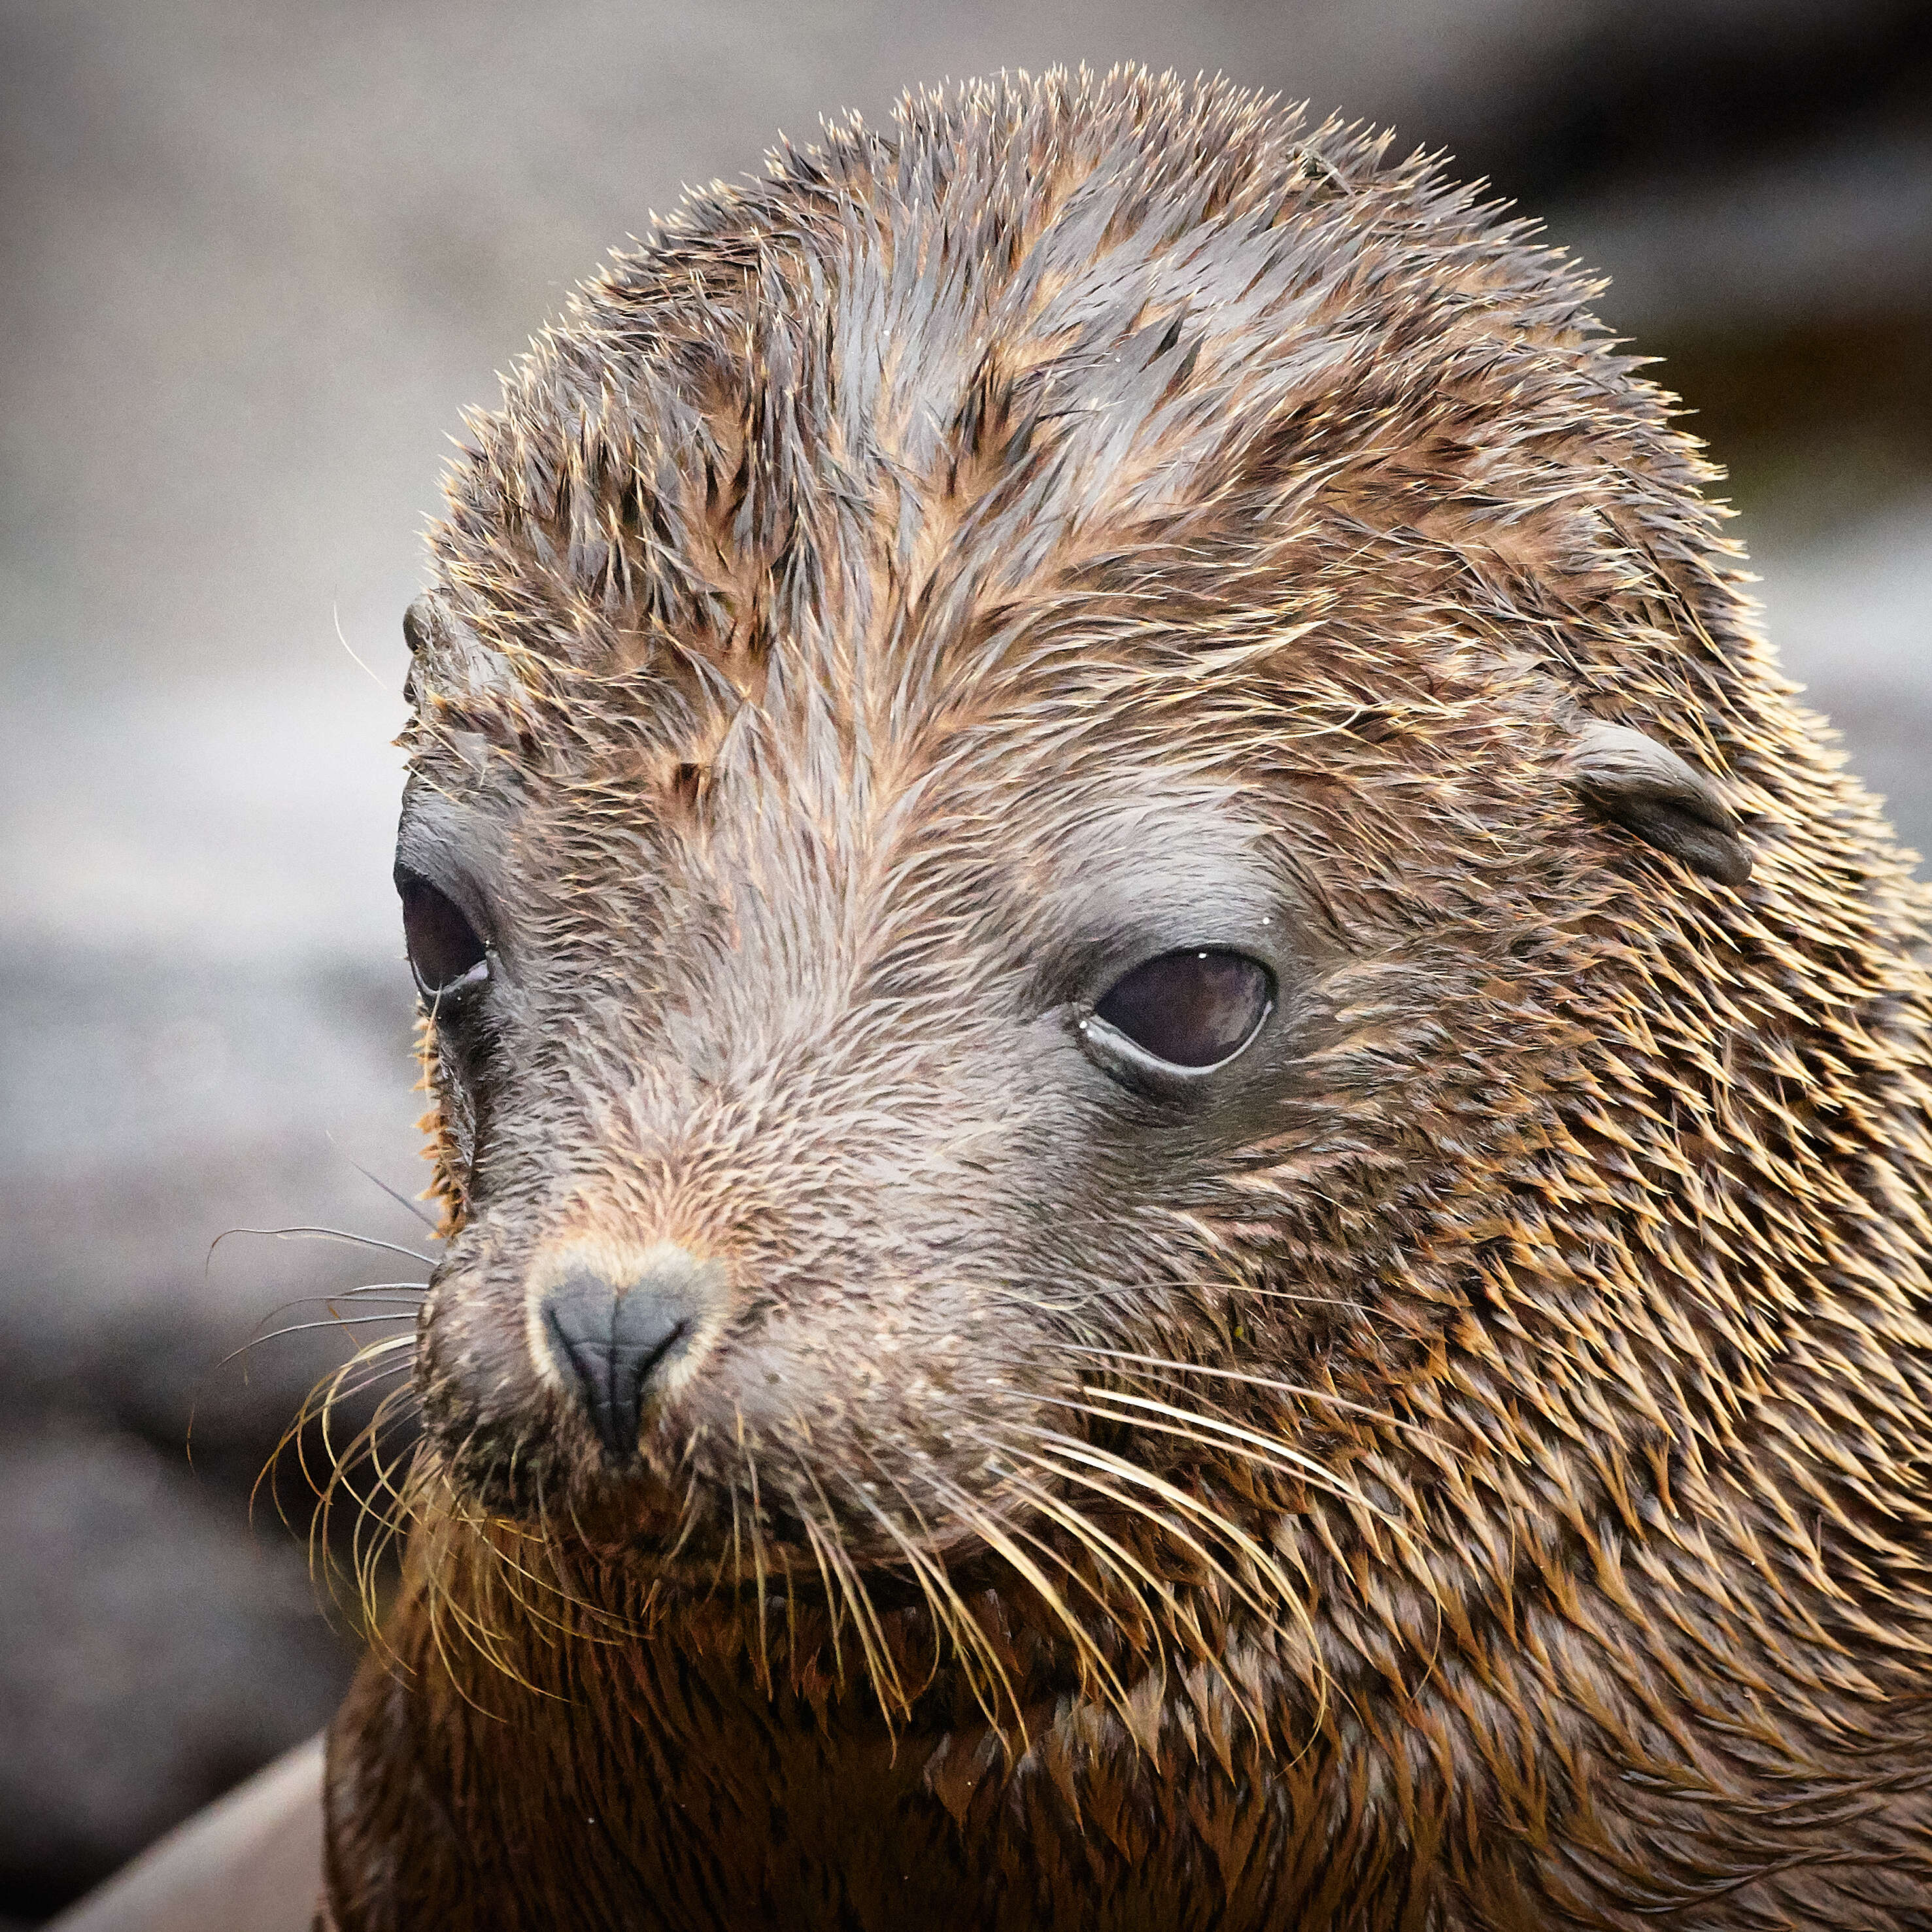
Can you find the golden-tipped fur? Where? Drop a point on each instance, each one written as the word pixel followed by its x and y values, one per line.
pixel 1469 1471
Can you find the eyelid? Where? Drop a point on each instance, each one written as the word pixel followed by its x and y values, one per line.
pixel 1135 1068
pixel 451 843
pixel 449 998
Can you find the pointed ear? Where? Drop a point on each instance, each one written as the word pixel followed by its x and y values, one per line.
pixel 1653 794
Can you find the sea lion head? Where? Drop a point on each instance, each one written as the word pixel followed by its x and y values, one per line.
pixel 1057 755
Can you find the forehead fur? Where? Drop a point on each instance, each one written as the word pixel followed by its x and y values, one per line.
pixel 1047 366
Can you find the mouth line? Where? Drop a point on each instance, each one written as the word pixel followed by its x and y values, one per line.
pixel 689 1557
pixel 728 1576
pixel 707 1540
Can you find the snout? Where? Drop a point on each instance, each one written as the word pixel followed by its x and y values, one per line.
pixel 619 1333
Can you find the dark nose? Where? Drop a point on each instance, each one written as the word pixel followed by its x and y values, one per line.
pixel 610 1344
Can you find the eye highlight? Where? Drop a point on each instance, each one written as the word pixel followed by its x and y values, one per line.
pixel 1191 1009
pixel 446 954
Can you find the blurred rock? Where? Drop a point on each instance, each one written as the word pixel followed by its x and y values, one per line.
pixel 157 1652
pixel 149 1107
pixel 156 1647
pixel 1833 233
pixel 1851 613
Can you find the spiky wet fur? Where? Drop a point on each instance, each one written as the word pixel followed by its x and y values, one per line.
pixel 1488 1490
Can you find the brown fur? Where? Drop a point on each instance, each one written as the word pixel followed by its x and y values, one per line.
pixel 1465 1470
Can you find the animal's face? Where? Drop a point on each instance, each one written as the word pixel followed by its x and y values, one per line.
pixel 831 1124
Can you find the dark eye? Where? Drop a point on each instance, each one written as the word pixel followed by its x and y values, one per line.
pixel 1190 1010
pixel 445 952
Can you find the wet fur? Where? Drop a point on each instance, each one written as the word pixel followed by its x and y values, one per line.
pixel 1472 1475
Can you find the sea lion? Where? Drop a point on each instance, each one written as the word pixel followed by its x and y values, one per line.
pixel 1184 1131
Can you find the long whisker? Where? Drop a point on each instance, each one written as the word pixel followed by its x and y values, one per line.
pixel 1122 1561
pixel 411 1293
pixel 504 1568
pixel 1245 1591
pixel 370 1372
pixel 389 1521
pixel 1137 1506
pixel 921 1564
pixel 736 1549
pixel 832 1596
pixel 1263 1450
pixel 363 1370
pixel 617 1627
pixel 757 1558
pixel 1092 1459
pixel 305 1327
pixel 1299 1300
pixel 402 1201
pixel 366 1549
pixel 1006 1542
pixel 985 1670
pixel 1305 1390
pixel 510 1572
pixel 486 1641
pixel 315 1233
pixel 865 1617
pixel 257 1338
pixel 483 1553
pixel 335 1387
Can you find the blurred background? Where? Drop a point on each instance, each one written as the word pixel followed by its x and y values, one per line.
pixel 255 255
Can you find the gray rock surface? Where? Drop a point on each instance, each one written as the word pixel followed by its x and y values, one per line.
pixel 170 1655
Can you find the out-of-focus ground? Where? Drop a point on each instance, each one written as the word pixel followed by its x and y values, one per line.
pixel 255 258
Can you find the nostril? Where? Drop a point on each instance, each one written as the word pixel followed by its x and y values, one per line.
pixel 609 1345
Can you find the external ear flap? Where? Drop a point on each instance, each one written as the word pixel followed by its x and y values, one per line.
pixel 450 668
pixel 423 624
pixel 1652 793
